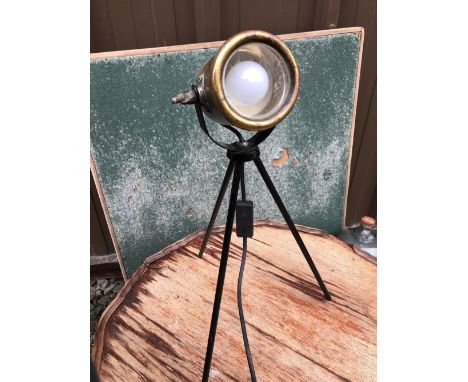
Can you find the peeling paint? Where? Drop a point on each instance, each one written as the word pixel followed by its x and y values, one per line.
pixel 281 157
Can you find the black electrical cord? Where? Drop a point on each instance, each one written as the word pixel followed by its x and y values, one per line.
pixel 239 292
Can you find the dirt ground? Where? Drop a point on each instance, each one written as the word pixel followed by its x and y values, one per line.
pixel 102 292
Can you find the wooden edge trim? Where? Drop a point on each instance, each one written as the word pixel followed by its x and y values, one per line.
pixel 104 259
pixel 364 254
pixel 214 44
pixel 107 216
pixel 165 251
pixel 353 124
pixel 101 325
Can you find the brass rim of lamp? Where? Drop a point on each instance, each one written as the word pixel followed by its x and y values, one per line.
pixel 210 82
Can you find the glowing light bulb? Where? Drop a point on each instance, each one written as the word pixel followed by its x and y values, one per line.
pixel 247 83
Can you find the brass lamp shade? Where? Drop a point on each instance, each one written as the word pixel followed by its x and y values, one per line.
pixel 268 51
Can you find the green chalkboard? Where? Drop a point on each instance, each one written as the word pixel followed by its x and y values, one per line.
pixel 158 173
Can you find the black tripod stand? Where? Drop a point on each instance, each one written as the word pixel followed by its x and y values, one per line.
pixel 239 153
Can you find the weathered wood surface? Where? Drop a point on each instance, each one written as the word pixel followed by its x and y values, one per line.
pixel 156 329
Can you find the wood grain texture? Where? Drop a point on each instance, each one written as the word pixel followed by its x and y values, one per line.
pixel 184 13
pixel 102 35
pixel 165 22
pixel 156 329
pixel 143 23
pixel 122 24
pixel 327 14
pixel 230 19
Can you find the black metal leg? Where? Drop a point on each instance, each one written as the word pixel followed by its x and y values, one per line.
pixel 245 338
pixel 242 180
pixel 222 271
pixel 214 215
pixel 266 178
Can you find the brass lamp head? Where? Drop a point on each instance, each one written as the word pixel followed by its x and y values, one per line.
pixel 251 82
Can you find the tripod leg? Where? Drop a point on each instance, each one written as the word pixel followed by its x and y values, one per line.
pixel 214 215
pixel 222 272
pixel 266 178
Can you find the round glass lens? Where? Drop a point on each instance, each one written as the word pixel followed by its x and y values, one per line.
pixel 256 81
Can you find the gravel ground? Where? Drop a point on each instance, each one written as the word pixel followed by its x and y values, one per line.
pixel 102 292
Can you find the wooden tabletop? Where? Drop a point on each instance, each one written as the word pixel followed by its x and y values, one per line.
pixel 157 327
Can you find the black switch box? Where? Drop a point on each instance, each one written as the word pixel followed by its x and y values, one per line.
pixel 244 218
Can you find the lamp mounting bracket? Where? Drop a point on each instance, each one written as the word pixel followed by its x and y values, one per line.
pixel 242 145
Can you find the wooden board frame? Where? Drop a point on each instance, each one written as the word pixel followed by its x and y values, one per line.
pixel 215 44
pixel 137 275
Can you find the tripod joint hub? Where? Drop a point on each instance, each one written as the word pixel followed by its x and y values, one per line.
pixel 243 153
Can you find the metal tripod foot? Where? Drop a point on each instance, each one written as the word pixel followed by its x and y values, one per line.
pixel 271 187
pixel 222 272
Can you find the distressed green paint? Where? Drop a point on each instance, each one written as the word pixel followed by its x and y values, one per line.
pixel 160 174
